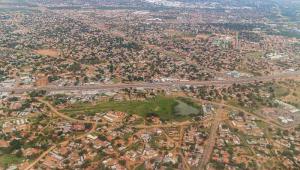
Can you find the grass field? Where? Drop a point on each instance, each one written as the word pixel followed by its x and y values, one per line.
pixel 163 106
pixel 293 97
pixel 261 124
pixel 7 160
pixel 281 91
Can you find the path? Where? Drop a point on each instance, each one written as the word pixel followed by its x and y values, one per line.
pixel 68 118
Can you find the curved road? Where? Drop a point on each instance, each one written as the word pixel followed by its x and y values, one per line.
pixel 68 118
pixel 45 153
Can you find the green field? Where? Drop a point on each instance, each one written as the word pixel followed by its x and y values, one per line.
pixel 7 160
pixel 281 91
pixel 162 106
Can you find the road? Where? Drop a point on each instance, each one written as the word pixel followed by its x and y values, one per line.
pixel 56 112
pixel 31 165
pixel 169 125
pixel 208 147
pixel 53 109
pixel 210 143
pixel 259 117
pixel 217 83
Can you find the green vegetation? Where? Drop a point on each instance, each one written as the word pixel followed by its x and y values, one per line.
pixel 74 67
pixel 37 93
pixel 261 124
pixel 255 54
pixel 262 96
pixel 297 44
pixel 280 91
pixel 3 75
pixel 286 33
pixel 141 167
pixel 236 103
pixel 58 99
pixel 7 160
pixel 218 165
pixel 161 106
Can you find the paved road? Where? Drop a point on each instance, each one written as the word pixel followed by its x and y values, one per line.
pixel 288 75
pixel 210 143
pixel 169 125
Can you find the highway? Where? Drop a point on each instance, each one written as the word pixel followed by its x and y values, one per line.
pixel 217 83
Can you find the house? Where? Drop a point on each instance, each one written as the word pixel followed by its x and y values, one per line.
pixel 4 144
pixel 234 74
pixel 78 127
pixel 91 137
pixel 30 151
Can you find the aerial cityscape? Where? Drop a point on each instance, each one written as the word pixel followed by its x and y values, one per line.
pixel 149 84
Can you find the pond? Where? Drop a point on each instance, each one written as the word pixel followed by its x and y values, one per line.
pixel 184 109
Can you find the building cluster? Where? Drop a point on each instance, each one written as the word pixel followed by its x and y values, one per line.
pixel 50 44
pixel 245 141
pixel 70 47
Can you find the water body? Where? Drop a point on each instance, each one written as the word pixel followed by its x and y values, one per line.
pixel 184 109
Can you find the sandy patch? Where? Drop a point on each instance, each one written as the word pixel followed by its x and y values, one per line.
pixel 202 36
pixel 48 52
pixel 41 80
pixel 22 31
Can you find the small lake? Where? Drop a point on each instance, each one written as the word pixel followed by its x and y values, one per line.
pixel 184 109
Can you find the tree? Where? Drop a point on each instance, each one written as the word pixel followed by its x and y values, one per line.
pixel 122 162
pixel 15 144
pixel 85 79
pixel 37 93
pixel 101 137
pixel 88 125
pixel 74 67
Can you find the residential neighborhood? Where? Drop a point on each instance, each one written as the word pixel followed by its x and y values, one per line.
pixel 149 84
